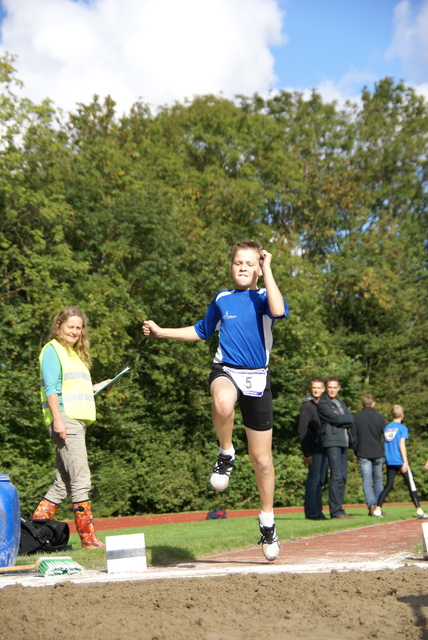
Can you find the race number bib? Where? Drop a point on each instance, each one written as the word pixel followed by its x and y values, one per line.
pixel 252 382
pixel 390 434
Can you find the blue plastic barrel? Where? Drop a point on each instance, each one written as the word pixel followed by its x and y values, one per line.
pixel 10 522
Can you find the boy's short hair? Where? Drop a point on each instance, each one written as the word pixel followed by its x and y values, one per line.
pixel 317 380
pixel 246 244
pixel 332 379
pixel 397 411
pixel 368 400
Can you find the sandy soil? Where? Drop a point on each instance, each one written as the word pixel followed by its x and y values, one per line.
pixel 386 605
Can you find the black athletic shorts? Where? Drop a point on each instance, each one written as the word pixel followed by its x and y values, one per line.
pixel 257 412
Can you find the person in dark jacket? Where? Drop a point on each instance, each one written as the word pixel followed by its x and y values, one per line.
pixel 367 439
pixel 335 422
pixel 309 432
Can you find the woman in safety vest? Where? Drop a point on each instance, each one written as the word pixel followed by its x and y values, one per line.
pixel 68 406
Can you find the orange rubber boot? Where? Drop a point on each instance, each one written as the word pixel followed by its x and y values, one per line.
pixel 45 510
pixel 85 525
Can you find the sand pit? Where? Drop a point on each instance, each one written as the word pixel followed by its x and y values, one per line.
pixel 350 605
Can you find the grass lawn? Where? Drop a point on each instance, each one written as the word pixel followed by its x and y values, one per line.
pixel 186 541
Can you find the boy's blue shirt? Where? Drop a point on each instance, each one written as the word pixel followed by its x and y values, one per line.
pixel 393 433
pixel 245 323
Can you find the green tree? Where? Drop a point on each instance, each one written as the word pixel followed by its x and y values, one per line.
pixel 134 217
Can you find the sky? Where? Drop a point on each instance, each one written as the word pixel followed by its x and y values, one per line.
pixel 162 51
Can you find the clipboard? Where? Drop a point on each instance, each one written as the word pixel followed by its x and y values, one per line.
pixel 119 375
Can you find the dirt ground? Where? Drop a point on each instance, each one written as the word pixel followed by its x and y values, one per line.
pixel 355 605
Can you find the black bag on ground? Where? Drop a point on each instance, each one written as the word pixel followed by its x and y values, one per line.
pixel 216 515
pixel 44 536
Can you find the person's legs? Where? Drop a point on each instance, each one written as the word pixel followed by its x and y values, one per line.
pixel 61 486
pixel 408 478
pixel 366 470
pixel 344 470
pixel 313 486
pixel 224 397
pixel 391 472
pixel 74 468
pixel 72 475
pixel 80 484
pixel 377 477
pixel 310 503
pixel 322 479
pixel 260 452
pixel 338 464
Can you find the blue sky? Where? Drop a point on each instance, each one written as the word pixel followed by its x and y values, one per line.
pixel 166 50
pixel 330 38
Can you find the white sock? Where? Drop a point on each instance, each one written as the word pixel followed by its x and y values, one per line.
pixel 228 452
pixel 266 519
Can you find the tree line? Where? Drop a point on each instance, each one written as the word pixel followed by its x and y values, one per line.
pixel 133 217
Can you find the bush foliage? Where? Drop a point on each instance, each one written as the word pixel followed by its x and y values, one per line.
pixel 133 217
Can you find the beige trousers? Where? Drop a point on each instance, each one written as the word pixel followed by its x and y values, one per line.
pixel 72 476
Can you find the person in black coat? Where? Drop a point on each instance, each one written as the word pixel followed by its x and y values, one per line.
pixel 335 422
pixel 367 438
pixel 309 432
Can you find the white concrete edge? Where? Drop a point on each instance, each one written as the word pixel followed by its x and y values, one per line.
pixel 204 571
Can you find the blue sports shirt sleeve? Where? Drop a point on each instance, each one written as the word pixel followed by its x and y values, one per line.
pixel 206 327
pixel 51 372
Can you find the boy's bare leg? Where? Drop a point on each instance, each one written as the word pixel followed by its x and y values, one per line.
pixel 224 397
pixel 260 452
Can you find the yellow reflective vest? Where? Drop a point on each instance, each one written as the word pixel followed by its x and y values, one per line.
pixel 77 390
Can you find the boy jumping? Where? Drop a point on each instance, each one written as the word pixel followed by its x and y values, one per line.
pixel 244 317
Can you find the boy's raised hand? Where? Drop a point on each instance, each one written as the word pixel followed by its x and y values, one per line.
pixel 151 329
pixel 265 259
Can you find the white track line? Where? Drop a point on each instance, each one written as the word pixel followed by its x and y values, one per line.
pixel 205 570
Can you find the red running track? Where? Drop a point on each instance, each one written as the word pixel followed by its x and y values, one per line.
pixel 129 522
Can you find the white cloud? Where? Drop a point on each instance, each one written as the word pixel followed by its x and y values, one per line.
pixel 156 50
pixel 422 90
pixel 410 40
pixel 347 89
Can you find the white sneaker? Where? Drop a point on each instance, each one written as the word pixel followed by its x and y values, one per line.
pixel 221 473
pixel 421 514
pixel 270 542
pixel 377 512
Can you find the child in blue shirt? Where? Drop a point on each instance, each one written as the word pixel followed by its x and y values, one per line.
pixel 395 436
pixel 244 317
